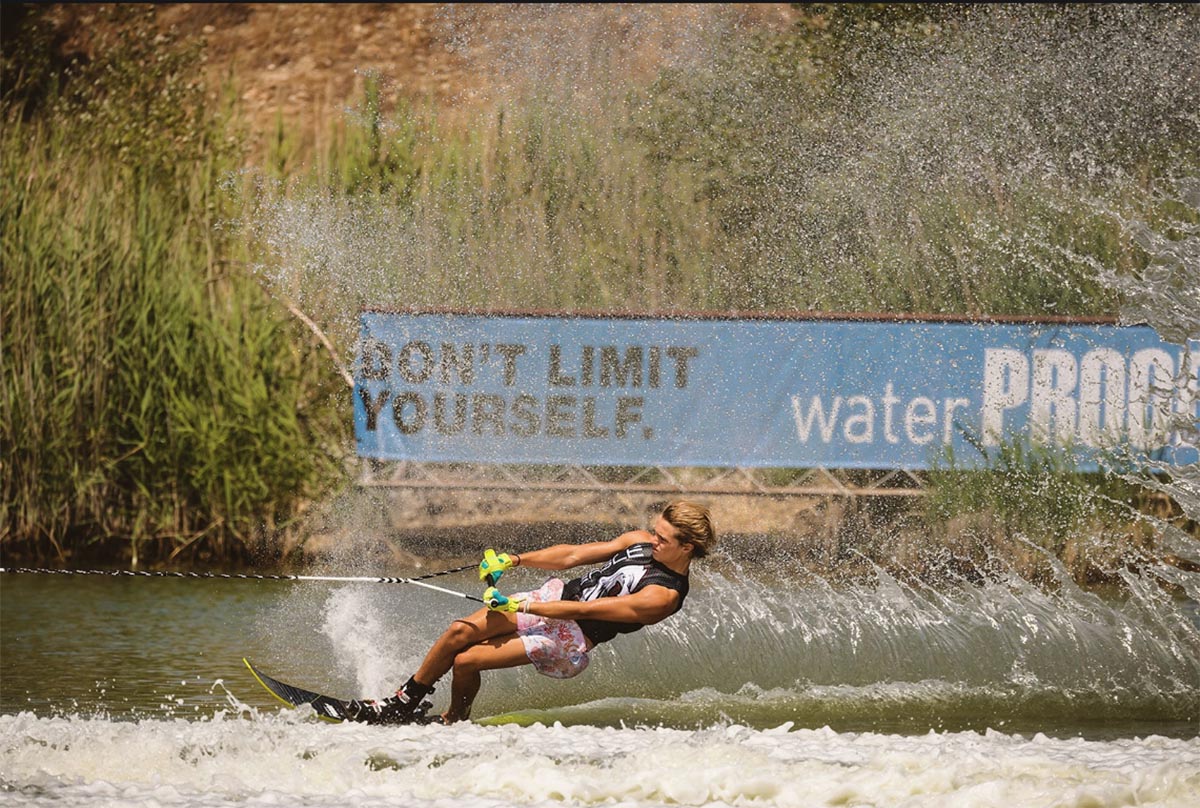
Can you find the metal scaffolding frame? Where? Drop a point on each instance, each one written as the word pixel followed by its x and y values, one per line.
pixel 641 480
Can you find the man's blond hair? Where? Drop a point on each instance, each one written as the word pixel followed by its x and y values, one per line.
pixel 695 526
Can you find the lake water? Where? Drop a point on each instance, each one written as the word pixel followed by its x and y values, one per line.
pixel 131 691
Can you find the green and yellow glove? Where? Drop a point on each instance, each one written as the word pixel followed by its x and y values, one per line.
pixel 497 602
pixel 493 566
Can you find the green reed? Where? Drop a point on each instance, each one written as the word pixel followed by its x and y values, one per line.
pixel 752 184
pixel 1029 498
pixel 528 206
pixel 152 393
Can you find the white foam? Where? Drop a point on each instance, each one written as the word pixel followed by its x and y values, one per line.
pixel 287 760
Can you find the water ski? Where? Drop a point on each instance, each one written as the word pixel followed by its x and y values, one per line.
pixel 327 707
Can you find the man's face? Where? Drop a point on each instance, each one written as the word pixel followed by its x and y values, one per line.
pixel 667 547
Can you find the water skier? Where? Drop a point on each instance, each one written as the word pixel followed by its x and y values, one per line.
pixel 644 580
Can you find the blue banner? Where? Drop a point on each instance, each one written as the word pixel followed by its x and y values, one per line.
pixel 762 393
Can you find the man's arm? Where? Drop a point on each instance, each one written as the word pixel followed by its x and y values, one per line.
pixel 652 604
pixel 565 556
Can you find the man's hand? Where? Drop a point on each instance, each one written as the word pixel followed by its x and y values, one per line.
pixel 493 566
pixel 499 603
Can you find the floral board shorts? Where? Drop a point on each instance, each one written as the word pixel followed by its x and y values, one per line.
pixel 557 648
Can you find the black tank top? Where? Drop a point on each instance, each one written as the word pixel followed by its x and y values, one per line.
pixel 629 571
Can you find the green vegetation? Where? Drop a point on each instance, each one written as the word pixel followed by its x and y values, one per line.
pixel 151 397
pixel 528 207
pixel 1031 496
pixel 933 159
pixel 154 395
pixel 870 163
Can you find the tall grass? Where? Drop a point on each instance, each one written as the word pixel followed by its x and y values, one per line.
pixel 531 206
pixel 155 402
pixel 1031 497
pixel 540 206
pixel 935 159
pixel 884 172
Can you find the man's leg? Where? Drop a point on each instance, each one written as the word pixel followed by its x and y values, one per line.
pixel 462 634
pixel 481 626
pixel 493 654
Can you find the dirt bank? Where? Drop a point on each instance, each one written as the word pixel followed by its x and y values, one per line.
pixel 303 63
